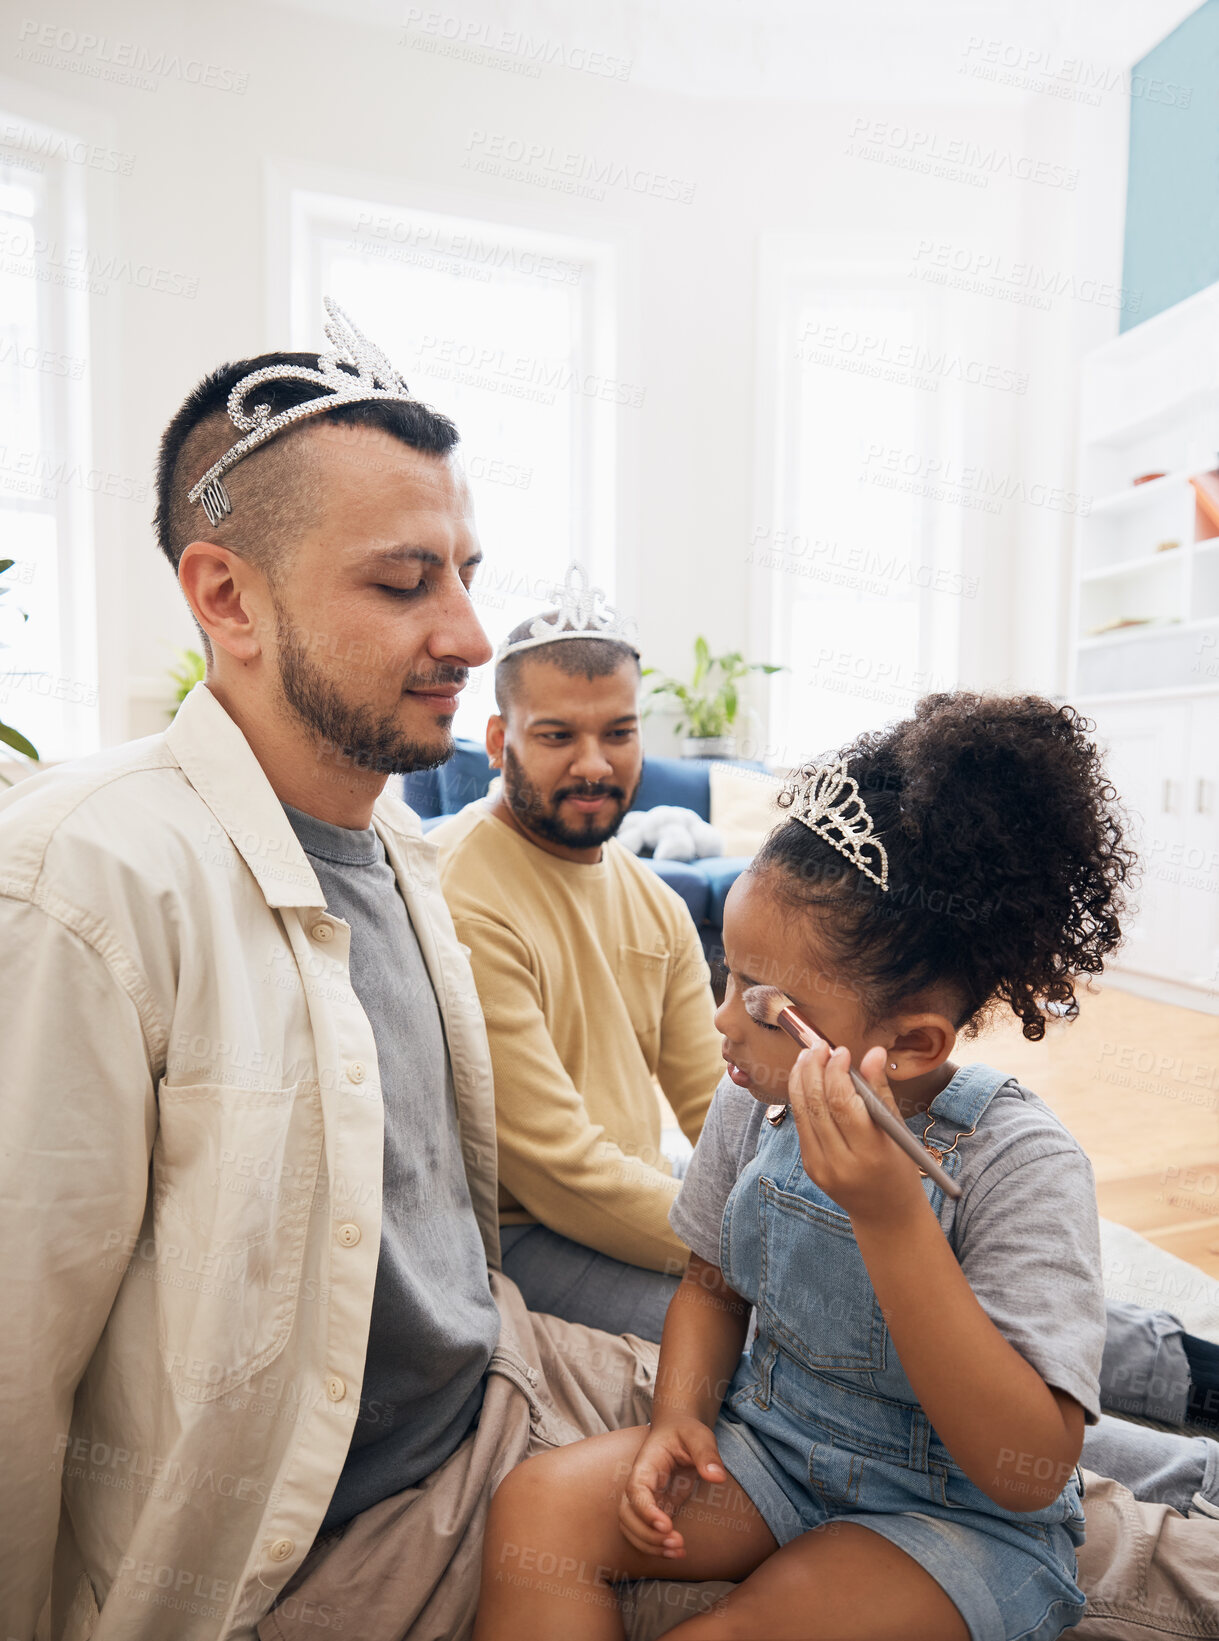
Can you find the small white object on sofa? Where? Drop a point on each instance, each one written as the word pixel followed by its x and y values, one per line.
pixel 671 833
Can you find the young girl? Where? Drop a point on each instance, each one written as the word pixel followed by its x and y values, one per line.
pixel 893 1458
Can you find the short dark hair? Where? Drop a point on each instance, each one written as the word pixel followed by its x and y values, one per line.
pixel 274 492
pixel 575 657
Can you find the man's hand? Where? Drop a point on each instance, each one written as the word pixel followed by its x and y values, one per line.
pixel 666 1470
pixel 843 1151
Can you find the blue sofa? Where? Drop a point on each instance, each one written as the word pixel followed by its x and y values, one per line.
pixel 686 782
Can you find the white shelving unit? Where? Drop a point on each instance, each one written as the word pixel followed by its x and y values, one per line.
pixel 1145 623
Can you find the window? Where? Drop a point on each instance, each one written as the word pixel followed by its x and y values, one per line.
pixel 511 333
pixel 848 573
pixel 48 664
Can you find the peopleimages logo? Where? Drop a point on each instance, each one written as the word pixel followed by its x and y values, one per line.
pixel 499 47
pixel 53 145
pixel 28 357
pixel 1076 79
pixel 955 158
pixel 77 268
pixel 941 478
pixel 567 171
pixel 868 353
pixel 99 57
pixel 472 247
pixel 40 473
pixel 989 273
pixel 498 370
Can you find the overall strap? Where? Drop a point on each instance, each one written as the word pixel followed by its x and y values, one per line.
pixel 961 1105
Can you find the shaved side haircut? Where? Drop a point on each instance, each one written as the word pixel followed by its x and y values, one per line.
pixel 575 657
pixel 275 490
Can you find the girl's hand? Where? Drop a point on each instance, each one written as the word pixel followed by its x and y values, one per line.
pixel 665 1473
pixel 843 1151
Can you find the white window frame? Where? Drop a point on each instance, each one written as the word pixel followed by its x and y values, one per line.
pixel 64 328
pixel 304 200
pixel 791 269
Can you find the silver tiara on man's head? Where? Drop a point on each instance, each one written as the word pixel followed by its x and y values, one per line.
pixel 352 371
pixel 582 612
pixel 828 803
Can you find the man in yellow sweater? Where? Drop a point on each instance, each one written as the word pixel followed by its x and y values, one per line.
pixel 592 980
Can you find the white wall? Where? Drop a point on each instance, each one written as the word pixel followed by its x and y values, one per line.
pixel 348 98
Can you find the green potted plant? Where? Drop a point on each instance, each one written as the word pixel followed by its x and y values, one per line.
pixel 11 738
pixel 188 672
pixel 709 702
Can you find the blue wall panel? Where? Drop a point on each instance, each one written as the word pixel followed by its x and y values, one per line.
pixel 1172 198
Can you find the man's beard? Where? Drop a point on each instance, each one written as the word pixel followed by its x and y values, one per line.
pixel 356 733
pixel 541 815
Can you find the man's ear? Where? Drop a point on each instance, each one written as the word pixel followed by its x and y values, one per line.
pixel 495 740
pixel 227 596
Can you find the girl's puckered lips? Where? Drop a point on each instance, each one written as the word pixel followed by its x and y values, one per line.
pixel 739 1077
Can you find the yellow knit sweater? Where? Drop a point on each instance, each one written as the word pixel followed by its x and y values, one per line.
pixel 592 981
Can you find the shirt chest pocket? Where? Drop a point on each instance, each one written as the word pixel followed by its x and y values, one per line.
pixel 234 1174
pixel 642 979
pixel 816 1300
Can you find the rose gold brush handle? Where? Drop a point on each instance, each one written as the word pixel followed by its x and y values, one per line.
pixel 801 1032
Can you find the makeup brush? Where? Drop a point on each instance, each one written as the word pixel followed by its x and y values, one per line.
pixel 770 1007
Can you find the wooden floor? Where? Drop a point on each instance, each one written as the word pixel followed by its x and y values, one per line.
pixel 1137 1083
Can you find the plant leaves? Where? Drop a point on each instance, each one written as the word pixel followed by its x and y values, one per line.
pixel 710 701
pixel 190 670
pixel 15 739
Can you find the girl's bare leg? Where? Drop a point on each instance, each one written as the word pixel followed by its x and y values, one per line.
pixel 553 1545
pixel 838 1583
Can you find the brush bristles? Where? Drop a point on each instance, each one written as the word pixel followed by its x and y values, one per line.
pixel 765 1004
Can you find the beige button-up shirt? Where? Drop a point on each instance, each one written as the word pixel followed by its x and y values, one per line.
pixel 190 1182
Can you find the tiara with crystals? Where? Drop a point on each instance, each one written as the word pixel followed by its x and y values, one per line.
pixel 829 804
pixel 582 613
pixel 352 372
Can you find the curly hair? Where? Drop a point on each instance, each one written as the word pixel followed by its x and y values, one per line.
pixel 1008 868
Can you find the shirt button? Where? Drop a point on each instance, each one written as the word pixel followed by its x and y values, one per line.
pixel 349 1235
pixel 282 1549
pixel 335 1388
pixel 355 1071
pixel 322 932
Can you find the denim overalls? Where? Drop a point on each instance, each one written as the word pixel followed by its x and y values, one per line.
pixel 820 1421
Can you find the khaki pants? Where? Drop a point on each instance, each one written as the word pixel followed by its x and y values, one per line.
pixel 1146 1569
pixel 408 1569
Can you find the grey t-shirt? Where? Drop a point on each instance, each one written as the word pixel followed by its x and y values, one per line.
pixel 434 1323
pixel 1025 1229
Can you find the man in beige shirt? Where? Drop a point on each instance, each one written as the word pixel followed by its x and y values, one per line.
pixel 250 1285
pixel 592 980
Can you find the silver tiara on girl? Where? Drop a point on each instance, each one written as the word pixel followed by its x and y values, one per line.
pixel 829 804
pixel 352 371
pixel 582 613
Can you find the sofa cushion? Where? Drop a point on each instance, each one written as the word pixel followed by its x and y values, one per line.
pixel 720 875
pixel 682 782
pixel 444 791
pixel 743 806
pixel 688 879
